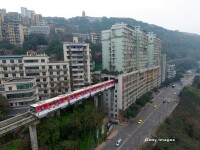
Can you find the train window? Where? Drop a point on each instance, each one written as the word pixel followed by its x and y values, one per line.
pixel 32 109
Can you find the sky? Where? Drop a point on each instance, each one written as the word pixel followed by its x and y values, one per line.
pixel 181 15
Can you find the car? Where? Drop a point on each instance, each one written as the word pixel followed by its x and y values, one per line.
pixel 118 142
pixel 139 121
pixel 174 93
pixel 164 101
pixel 154 106
pixel 168 101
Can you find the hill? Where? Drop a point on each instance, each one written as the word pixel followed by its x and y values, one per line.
pixel 174 43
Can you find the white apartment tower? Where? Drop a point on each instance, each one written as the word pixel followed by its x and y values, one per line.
pixel 163 67
pixel 119 48
pixel 78 56
pixel 125 54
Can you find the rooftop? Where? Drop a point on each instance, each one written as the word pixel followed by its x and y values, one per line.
pixel 19 80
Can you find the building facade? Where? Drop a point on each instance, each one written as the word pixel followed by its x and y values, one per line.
pixel 21 92
pixel 119 48
pixel 125 51
pixel 13 32
pixel 79 58
pixel 163 67
pixel 52 78
pixel 171 71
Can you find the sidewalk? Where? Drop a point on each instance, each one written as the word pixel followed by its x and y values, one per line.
pixel 110 137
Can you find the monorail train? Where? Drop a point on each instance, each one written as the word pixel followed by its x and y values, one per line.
pixel 42 108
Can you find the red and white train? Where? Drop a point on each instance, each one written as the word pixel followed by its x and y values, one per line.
pixel 42 108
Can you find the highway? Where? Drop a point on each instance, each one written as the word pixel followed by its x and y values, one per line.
pixel 133 135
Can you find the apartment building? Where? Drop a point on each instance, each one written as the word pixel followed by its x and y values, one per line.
pixel 27 13
pixel 163 67
pixel 52 78
pixel 95 38
pixel 79 58
pixel 129 87
pixel 20 92
pixel 171 71
pixel 141 48
pixel 154 50
pixel 40 30
pixel 119 48
pixel 125 51
pixel 13 32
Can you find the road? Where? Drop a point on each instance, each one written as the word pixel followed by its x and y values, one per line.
pixel 133 135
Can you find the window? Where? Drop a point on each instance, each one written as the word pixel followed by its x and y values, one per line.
pixel 52 85
pixel 58 72
pixel 50 67
pixel 43 73
pixel 65 72
pixel 12 61
pixel 37 80
pixel 51 73
pixel 5 75
pixel 19 95
pixel 65 78
pixel 45 91
pixel 42 60
pixel 57 67
pixel 21 74
pixel 19 61
pixel 25 86
pixel 43 67
pixel 10 88
pixel 14 74
pixel 45 85
pixel 4 68
pixel 13 68
pixel 58 78
pixel 20 68
pixel 44 79
pixel 4 61
pixel 64 66
pixel 31 61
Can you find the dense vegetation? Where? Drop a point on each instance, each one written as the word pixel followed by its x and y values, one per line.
pixel 3 107
pixel 184 125
pixel 176 44
pixel 78 128
pixel 133 110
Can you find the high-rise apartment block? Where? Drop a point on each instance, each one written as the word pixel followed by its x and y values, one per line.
pixel 78 56
pixel 154 50
pixel 119 48
pixel 126 51
pixel 52 77
pixel 163 67
pixel 13 32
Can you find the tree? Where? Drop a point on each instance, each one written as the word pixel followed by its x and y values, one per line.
pixel 56 47
pixel 33 40
pixel 3 106
pixel 6 45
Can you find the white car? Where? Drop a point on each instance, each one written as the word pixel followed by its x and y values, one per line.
pixel 174 93
pixel 118 142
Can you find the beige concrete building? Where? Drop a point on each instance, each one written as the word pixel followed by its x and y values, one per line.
pixel 52 78
pixel 13 32
pixel 21 92
pixel 79 58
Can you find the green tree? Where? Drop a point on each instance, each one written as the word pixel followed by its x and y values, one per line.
pixel 3 106
pixel 56 47
pixel 50 133
pixel 4 44
pixel 33 40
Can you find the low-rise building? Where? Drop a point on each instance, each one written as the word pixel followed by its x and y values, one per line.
pixel 52 78
pixel 20 92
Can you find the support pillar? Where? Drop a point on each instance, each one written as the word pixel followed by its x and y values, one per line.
pixel 33 136
pixel 96 100
pixel 58 113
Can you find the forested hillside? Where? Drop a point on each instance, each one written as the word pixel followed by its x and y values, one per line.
pixel 175 44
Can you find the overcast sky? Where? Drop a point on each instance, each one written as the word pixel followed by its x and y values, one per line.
pixel 182 15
